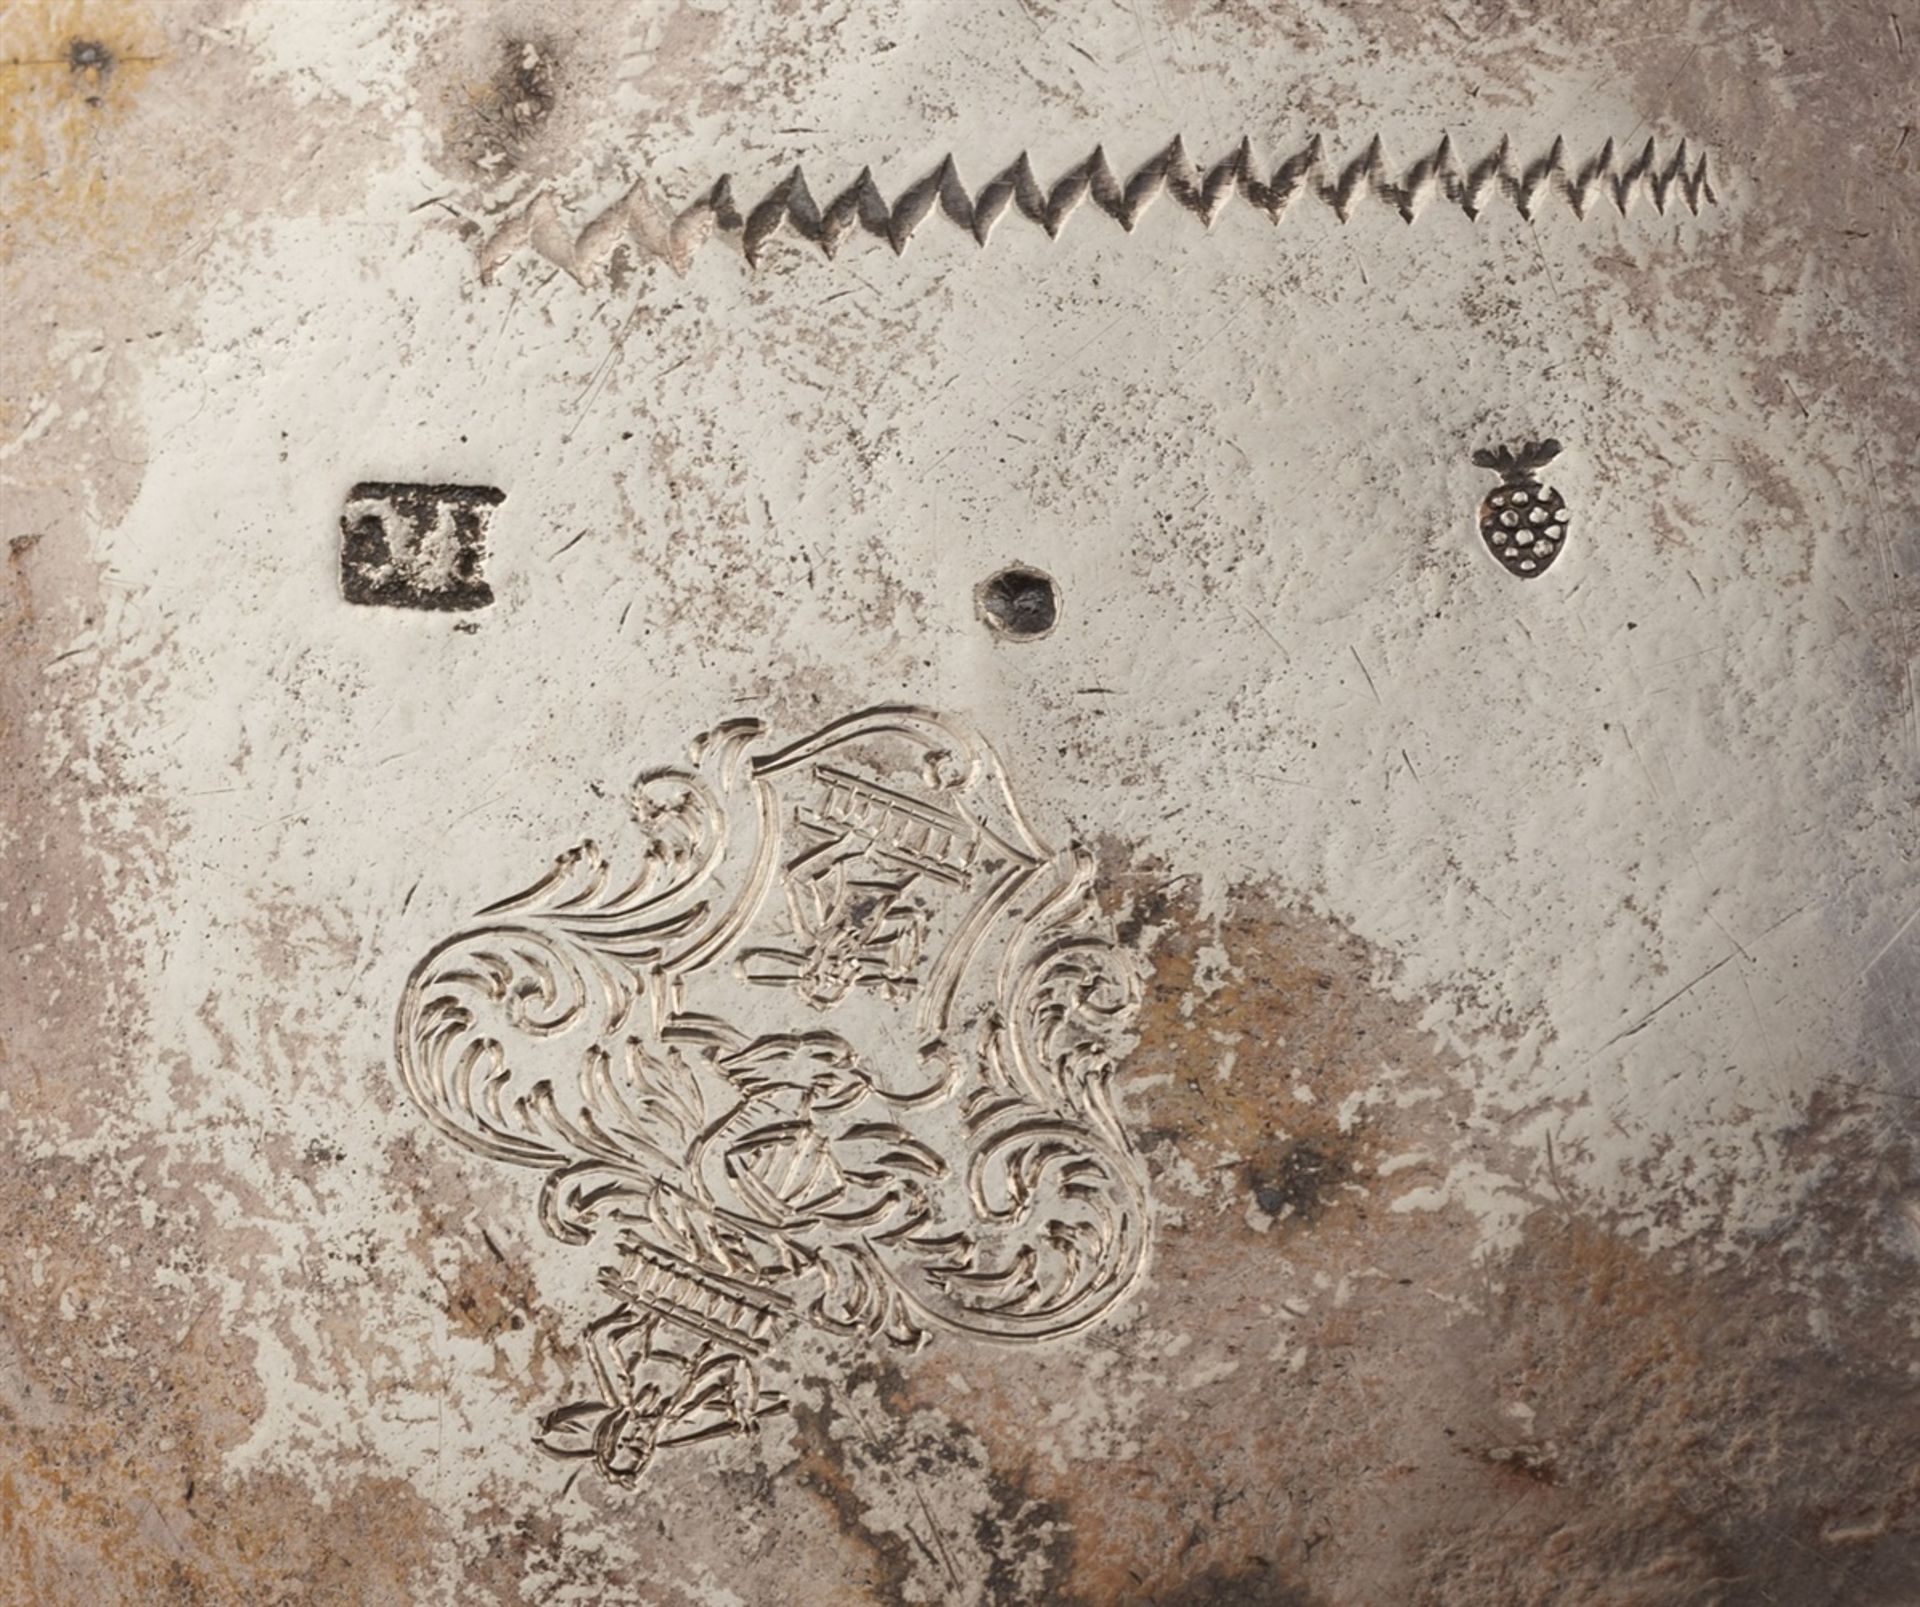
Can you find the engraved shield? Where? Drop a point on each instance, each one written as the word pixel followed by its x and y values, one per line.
pixel 834 1023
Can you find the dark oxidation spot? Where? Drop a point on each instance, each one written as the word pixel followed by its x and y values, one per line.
pixel 1256 1585
pixel 1018 602
pixel 1298 1177
pixel 504 116
pixel 89 56
pixel 1014 1531
pixel 1149 910
pixel 526 83
pixel 823 1471
pixel 89 61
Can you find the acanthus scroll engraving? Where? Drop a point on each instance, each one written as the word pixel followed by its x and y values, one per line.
pixel 830 1041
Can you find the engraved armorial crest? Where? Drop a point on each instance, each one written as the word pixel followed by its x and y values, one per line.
pixel 829 1041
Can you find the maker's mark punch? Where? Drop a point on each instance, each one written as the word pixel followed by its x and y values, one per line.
pixel 832 1045
pixel 1523 522
pixel 417 546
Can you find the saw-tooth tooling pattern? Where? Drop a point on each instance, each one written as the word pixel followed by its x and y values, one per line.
pixel 641 223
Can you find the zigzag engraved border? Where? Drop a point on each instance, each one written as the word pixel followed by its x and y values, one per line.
pixel 639 221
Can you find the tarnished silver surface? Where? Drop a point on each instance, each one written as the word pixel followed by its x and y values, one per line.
pixel 1287 970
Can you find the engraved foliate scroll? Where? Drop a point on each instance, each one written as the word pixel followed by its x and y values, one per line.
pixel 1306 985
pixel 828 1039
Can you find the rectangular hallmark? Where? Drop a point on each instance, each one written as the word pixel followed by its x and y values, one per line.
pixel 405 545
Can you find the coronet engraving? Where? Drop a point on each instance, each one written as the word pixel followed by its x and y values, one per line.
pixel 830 1042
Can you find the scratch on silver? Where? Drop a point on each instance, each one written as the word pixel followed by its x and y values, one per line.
pixel 833 1045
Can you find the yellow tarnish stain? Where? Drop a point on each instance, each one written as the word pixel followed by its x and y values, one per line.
pixel 71 72
pixel 80 183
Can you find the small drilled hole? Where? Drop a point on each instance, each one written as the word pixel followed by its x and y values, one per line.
pixel 1018 602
